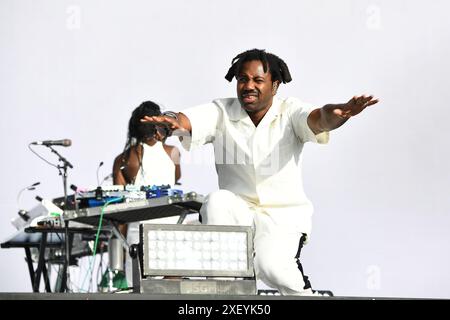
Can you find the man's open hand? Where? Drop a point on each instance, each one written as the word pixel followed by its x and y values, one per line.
pixel 354 106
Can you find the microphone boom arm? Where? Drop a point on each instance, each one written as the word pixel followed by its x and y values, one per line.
pixel 66 165
pixel 61 158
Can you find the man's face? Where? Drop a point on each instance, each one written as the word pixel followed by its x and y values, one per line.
pixel 254 87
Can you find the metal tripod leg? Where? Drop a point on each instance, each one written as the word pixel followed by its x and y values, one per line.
pixel 41 261
pixel 30 265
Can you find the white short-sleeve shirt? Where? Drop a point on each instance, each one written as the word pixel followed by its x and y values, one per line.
pixel 262 164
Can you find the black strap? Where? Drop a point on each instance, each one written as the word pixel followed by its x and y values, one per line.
pixel 300 267
pixel 300 245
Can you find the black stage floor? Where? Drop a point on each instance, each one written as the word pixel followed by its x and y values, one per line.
pixel 174 297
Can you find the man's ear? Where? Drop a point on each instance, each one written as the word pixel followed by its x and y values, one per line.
pixel 275 87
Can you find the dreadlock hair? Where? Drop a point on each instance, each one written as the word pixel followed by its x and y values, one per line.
pixel 138 131
pixel 277 67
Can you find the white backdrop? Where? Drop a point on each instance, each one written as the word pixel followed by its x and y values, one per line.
pixel 76 69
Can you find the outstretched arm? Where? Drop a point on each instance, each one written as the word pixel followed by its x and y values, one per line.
pixel 332 116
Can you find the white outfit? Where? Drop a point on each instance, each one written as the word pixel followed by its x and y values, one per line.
pixel 259 172
pixel 157 169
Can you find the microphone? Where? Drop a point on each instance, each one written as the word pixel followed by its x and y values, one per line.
pixel 33 186
pixel 63 142
pixel 111 175
pixel 98 169
pixel 23 213
pixel 29 188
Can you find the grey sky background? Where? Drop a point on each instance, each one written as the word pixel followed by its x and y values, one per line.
pixel 76 69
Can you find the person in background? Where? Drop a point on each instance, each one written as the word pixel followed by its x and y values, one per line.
pixel 146 160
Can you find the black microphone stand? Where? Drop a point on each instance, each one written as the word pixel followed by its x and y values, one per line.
pixel 66 164
pixel 63 172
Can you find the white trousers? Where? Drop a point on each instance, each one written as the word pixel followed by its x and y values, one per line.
pixel 275 246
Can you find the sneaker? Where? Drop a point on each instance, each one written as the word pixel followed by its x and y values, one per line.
pixel 323 293
pixel 306 293
pixel 316 293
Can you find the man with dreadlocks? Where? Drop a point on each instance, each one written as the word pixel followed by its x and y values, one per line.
pixel 258 140
pixel 145 160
